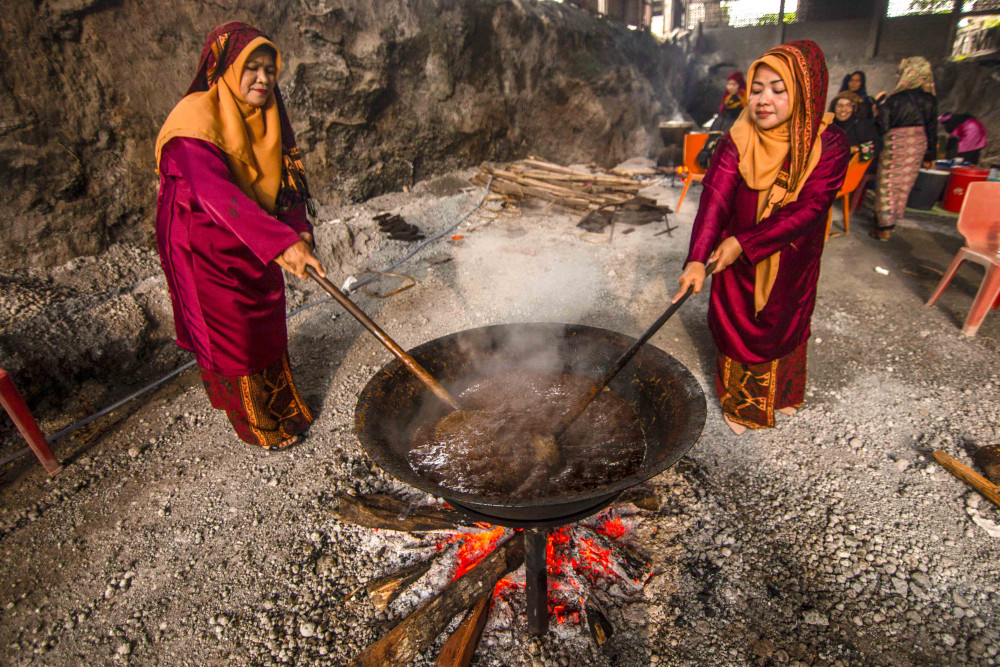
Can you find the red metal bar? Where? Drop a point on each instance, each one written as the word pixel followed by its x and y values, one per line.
pixel 15 406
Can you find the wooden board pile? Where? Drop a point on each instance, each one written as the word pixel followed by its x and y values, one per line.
pixel 572 188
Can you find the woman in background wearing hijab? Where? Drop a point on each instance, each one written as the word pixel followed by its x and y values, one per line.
pixel 762 218
pixel 907 120
pixel 856 83
pixel 733 102
pixel 860 130
pixel 231 211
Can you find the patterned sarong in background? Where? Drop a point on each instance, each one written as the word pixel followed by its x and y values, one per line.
pixel 897 172
pixel 264 408
pixel 750 393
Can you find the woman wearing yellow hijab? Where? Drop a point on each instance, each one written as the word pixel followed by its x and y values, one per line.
pixel 762 218
pixel 231 211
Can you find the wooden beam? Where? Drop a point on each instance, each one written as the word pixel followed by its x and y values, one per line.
pixel 405 642
pixel 461 646
pixel 875 30
pixel 384 590
pixel 387 513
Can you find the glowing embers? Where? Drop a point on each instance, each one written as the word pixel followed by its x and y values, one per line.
pixel 582 560
pixel 474 546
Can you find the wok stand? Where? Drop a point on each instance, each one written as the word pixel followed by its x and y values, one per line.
pixel 536 580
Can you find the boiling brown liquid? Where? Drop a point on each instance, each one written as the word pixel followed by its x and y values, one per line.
pixel 493 448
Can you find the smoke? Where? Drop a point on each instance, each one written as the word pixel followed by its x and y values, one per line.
pixel 540 283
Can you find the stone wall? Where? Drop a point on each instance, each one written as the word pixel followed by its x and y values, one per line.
pixel 380 94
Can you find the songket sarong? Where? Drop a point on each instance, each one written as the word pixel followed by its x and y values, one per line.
pixel 897 172
pixel 750 393
pixel 265 408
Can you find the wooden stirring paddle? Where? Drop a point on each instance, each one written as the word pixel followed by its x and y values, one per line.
pixel 408 361
pixel 619 364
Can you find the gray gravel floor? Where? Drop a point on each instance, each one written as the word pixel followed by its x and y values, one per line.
pixel 832 539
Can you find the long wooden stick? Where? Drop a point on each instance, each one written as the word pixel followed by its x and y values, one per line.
pixel 619 364
pixel 384 338
pixel 969 476
pixel 416 632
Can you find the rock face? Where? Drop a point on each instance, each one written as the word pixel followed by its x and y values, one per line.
pixel 380 94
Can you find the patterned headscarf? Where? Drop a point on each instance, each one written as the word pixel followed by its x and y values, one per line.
pixel 915 72
pixel 777 162
pixel 259 143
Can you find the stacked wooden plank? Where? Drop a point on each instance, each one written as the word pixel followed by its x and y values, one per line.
pixel 572 188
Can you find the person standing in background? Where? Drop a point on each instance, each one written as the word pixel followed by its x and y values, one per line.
pixel 907 121
pixel 966 136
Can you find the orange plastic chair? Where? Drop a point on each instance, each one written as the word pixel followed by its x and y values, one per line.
pixel 979 223
pixel 855 172
pixel 693 143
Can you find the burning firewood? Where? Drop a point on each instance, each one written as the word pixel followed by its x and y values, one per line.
pixel 388 513
pixel 597 622
pixel 417 631
pixel 598 549
pixel 461 646
pixel 384 590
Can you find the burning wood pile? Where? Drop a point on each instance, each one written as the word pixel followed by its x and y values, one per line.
pixel 486 568
pixel 572 188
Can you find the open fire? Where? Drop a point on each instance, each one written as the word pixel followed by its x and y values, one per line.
pixel 583 562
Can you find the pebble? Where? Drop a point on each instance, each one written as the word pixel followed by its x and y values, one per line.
pixel 124 648
pixel 815 617
pixel 307 629
pixel 133 452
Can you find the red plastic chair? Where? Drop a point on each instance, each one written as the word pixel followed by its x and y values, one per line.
pixel 693 143
pixel 979 223
pixel 855 172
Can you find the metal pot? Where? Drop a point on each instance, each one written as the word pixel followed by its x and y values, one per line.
pixel 665 395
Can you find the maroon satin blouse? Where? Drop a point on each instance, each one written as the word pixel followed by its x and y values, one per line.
pixel 217 248
pixel 728 207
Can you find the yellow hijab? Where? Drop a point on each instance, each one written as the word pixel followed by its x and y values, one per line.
pixel 249 136
pixel 763 153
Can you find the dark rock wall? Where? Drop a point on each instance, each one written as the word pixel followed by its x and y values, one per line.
pixel 380 93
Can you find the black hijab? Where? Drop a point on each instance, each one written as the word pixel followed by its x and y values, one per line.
pixel 861 92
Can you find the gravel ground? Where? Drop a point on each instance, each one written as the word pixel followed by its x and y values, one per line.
pixel 832 539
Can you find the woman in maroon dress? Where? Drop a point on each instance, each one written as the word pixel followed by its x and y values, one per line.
pixel 231 211
pixel 762 217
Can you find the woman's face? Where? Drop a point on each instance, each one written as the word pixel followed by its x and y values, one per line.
pixel 732 87
pixel 843 110
pixel 259 76
pixel 854 83
pixel 768 102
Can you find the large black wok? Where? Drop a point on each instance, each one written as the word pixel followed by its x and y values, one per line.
pixel 665 395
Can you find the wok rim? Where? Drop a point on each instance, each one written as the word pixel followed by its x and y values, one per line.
pixel 399 468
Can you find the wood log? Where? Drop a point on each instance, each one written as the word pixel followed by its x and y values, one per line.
pixel 603 179
pixel 551 166
pixel 461 646
pixel 388 513
pixel 644 499
pixel 597 622
pixel 627 564
pixel 384 590
pixel 969 476
pixel 417 631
